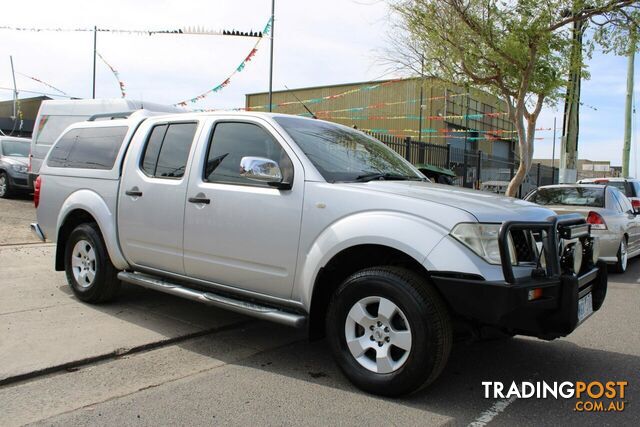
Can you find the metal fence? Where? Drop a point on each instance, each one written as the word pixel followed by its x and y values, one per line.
pixel 473 169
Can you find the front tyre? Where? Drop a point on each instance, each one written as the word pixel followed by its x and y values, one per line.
pixel 5 186
pixel 90 273
pixel 389 330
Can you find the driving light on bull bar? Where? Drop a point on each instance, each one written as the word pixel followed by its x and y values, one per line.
pixel 482 239
pixel 572 257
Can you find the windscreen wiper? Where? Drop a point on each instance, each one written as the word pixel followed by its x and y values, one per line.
pixel 385 177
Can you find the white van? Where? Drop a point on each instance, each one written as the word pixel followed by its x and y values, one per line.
pixel 55 116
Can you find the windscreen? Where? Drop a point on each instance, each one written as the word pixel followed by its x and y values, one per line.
pixel 569 196
pixel 15 148
pixel 342 154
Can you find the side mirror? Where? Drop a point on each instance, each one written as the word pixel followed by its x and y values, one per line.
pixel 263 170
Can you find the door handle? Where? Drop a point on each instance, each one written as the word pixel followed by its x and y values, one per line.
pixel 133 193
pixel 199 200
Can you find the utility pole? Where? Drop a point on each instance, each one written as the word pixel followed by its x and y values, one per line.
pixel 15 89
pixel 571 118
pixel 629 102
pixel 421 94
pixel 553 154
pixel 273 24
pixel 95 40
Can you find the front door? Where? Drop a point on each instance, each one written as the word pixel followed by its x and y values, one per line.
pixel 239 232
pixel 152 198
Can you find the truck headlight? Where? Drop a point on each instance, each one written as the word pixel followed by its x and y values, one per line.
pixel 19 168
pixel 482 239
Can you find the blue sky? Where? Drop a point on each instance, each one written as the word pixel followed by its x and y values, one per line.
pixel 316 43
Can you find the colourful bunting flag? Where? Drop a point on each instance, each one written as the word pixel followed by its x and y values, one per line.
pixel 239 68
pixel 115 74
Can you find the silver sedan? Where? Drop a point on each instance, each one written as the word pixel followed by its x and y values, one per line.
pixel 609 212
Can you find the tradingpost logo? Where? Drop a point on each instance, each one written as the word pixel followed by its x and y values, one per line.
pixel 594 396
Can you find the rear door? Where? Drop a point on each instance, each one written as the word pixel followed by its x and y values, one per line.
pixel 246 234
pixel 152 197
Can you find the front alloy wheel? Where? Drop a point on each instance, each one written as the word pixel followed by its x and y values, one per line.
pixel 378 335
pixel 389 330
pixel 4 185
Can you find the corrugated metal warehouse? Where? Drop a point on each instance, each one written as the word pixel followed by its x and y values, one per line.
pixel 26 110
pixel 449 115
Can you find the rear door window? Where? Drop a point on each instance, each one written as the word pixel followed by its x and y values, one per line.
pixel 150 158
pixel 97 148
pixel 167 150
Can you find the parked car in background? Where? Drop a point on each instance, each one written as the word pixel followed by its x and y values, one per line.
pixel 310 224
pixel 55 116
pixel 630 187
pixel 613 220
pixel 14 158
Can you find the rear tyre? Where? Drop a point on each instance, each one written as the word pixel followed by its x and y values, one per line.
pixel 389 330
pixel 623 257
pixel 5 186
pixel 90 273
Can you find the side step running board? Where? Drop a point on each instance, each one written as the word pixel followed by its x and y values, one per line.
pixel 232 304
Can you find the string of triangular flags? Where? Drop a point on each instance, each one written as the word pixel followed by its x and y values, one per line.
pixel 115 74
pixel 265 32
pixel 190 30
pixel 42 82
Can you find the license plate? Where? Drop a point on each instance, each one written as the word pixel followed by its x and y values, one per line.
pixel 585 307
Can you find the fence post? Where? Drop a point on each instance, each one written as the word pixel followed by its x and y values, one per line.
pixel 407 153
pixel 448 166
pixel 479 169
pixel 538 177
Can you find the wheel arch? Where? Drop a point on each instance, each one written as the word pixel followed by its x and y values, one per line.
pixel 85 206
pixel 345 263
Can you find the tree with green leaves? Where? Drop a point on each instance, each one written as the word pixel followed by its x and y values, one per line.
pixel 519 50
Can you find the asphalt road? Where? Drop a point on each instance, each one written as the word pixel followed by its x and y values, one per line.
pixel 150 359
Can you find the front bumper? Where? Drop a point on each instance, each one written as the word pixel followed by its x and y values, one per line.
pixel 31 179
pixel 544 305
pixel 20 181
pixel 507 306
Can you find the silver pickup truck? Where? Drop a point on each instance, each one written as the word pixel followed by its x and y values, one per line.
pixel 310 224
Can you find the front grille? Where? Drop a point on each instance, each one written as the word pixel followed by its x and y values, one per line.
pixel 524 246
pixel 20 181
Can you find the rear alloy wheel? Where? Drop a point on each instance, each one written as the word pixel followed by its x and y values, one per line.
pixel 389 330
pixel 623 257
pixel 5 187
pixel 90 273
pixel 83 263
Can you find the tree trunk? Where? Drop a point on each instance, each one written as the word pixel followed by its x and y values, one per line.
pixel 524 148
pixel 525 142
